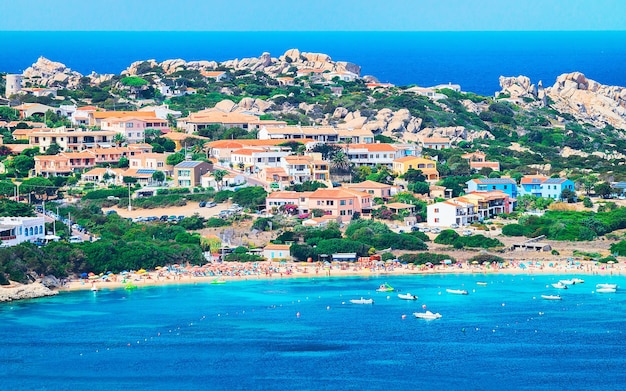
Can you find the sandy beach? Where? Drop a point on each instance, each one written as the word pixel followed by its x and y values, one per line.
pixel 226 272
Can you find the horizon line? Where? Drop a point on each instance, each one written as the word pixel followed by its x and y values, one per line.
pixel 307 31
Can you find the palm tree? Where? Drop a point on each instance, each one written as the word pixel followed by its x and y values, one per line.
pixel 219 176
pixel 119 139
pixel 340 162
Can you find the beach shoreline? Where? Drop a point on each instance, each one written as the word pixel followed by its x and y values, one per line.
pixel 232 272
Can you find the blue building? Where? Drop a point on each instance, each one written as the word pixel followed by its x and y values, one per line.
pixel 505 185
pixel 553 187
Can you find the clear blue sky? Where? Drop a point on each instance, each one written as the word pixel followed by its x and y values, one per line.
pixel 313 15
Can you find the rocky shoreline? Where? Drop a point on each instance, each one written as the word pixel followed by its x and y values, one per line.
pixel 23 292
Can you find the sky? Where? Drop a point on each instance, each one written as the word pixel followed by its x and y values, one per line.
pixel 316 15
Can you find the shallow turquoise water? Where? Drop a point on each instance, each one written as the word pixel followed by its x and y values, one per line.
pixel 247 335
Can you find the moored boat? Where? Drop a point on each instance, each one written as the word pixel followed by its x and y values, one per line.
pixel 427 315
pixel 457 291
pixel 578 280
pixel 407 296
pixel 481 283
pixel 385 288
pixel 606 290
pixel 559 285
pixel 567 282
pixel 609 286
pixel 362 301
pixel 551 297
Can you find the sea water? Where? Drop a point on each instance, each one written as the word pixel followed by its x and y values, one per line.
pixel 475 60
pixel 304 334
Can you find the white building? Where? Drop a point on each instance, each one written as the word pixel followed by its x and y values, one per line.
pixel 256 159
pixel 446 213
pixel 15 230
pixel 372 154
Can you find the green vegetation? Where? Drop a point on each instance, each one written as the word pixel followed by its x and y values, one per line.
pixel 424 258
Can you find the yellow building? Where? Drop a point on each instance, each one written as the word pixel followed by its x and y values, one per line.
pixel 427 166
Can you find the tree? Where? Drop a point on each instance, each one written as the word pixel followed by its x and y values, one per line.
pixel 250 197
pixel 568 195
pixel 158 176
pixel 413 175
pixel 603 189
pixel 53 149
pixel 123 162
pixel 39 186
pixel 119 139
pixel 219 176
pixel 175 158
pixel 134 81
pixel 23 164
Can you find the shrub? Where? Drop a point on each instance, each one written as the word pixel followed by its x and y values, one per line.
pixel 215 222
pixel 482 258
pixel 223 195
pixel 423 258
pixel 447 236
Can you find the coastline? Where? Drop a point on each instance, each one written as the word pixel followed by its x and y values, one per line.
pixel 232 272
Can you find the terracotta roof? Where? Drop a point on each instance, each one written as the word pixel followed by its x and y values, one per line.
pixel 337 193
pixel 179 136
pixel 276 247
pixel 382 147
pixel 120 114
pixel 286 194
pixel 413 158
pixel 436 140
pixel 530 179
pixel 366 185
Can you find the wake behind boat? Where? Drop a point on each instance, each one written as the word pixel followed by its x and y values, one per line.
pixel 407 296
pixel 551 297
pixel 457 291
pixel 427 315
pixel 362 301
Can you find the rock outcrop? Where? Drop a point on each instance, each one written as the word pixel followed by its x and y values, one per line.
pixel 22 292
pixel 52 74
pixel 588 100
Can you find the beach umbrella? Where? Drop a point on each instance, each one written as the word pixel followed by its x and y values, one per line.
pixel 474 262
pixel 447 261
pixel 84 275
pixel 522 266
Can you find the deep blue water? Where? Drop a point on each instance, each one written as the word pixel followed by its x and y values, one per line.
pixel 474 60
pixel 246 335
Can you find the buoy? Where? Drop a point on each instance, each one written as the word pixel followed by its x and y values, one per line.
pixel 327 307
pixel 424 306
pixel 403 316
pixel 503 304
pixel 297 314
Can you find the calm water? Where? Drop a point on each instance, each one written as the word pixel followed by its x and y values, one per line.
pixel 247 335
pixel 475 60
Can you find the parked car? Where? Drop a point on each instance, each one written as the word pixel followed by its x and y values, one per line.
pixel 435 230
pixel 467 232
pixel 75 239
pixel 424 229
pixel 454 226
pixel 211 204
pixel 163 218
pixel 202 204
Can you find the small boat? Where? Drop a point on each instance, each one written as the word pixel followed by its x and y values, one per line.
pixel 407 296
pixel 362 301
pixel 567 282
pixel 551 297
pixel 94 288
pixel 457 291
pixel 578 280
pixel 606 290
pixel 385 288
pixel 216 281
pixel 609 286
pixel 427 315
pixel 130 286
pixel 559 285
pixel 481 283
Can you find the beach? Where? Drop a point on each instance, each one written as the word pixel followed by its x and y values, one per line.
pixel 225 272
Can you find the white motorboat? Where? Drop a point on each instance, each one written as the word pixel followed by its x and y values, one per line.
pixel 609 286
pixel 551 297
pixel 559 285
pixel 578 280
pixel 482 283
pixel 567 282
pixel 606 290
pixel 427 315
pixel 457 291
pixel 362 301
pixel 407 296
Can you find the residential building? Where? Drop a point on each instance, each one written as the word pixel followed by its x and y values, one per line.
pixel 553 187
pixel 205 118
pixel 450 212
pixel 309 167
pixel 229 180
pixel 371 154
pixel 179 139
pixel 325 134
pixel 375 189
pixel 53 165
pixel 132 127
pixel 69 139
pixel 96 117
pixel 80 116
pixel 489 203
pixel 218 76
pixel 221 149
pixel 478 160
pixel 162 111
pixel 277 176
pixel 253 160
pixel 16 230
pixel 189 173
pixel 427 166
pixel 436 143
pixel 151 161
pixel 505 185
pixel 276 252
pixel 30 109
pixel 532 185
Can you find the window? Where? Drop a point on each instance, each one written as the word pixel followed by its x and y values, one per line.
pixel 342 202
pixel 436 219
pixel 436 210
pixel 129 124
pixel 330 202
pixel 350 202
pixel 493 187
pixel 343 213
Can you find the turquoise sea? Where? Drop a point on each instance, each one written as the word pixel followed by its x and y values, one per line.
pixel 475 60
pixel 303 334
